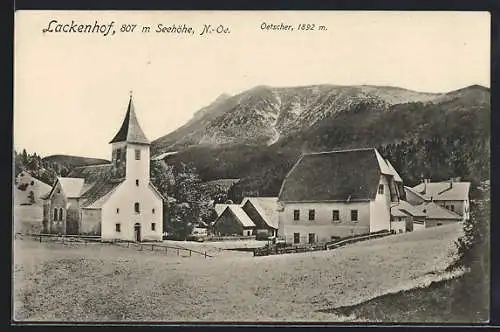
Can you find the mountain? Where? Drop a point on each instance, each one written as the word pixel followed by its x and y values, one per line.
pixel 74 161
pixel 257 135
pixel 264 114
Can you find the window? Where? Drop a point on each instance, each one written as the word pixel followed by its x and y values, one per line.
pixel 153 226
pixel 381 189
pixel 117 211
pixel 296 214
pixel 312 237
pixel 296 237
pixel 118 227
pixel 335 215
pixel 55 214
pixel 136 208
pixel 137 154
pixel 137 182
pixel 452 207
pixel 311 214
pixel 153 211
pixel 60 214
pixel 32 182
pixel 354 215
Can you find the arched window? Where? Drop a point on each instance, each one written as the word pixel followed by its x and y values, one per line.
pixel 61 214
pixel 55 214
pixel 136 208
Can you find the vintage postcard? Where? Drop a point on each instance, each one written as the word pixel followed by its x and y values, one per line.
pixel 251 166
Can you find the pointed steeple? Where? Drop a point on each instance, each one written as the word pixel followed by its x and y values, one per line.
pixel 130 131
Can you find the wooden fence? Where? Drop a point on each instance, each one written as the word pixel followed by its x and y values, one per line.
pixel 355 239
pixel 97 239
pixel 275 250
pixel 160 247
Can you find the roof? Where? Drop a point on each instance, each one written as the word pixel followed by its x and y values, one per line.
pixel 444 191
pixel 72 187
pixel 98 194
pixel 98 183
pixel 267 207
pixel 130 131
pixel 397 178
pixel 151 185
pixel 219 208
pixel 242 217
pixel 434 211
pixel 350 174
pixel 405 208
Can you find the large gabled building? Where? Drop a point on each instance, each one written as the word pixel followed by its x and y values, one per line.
pixel 336 194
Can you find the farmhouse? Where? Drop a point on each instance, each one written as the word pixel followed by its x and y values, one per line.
pixel 114 201
pixel 234 221
pixel 336 194
pixel 452 195
pixel 263 211
pixel 29 190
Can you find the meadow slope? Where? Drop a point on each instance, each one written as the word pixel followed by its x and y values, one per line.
pixel 99 282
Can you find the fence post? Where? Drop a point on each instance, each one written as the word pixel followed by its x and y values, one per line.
pixel 205 254
pixel 177 251
pixel 152 247
pixel 166 248
pixel 189 253
pixel 40 238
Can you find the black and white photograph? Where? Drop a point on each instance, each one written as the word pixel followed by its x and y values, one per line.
pixel 251 167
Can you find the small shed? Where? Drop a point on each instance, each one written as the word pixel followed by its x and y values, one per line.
pixel 234 221
pixel 263 211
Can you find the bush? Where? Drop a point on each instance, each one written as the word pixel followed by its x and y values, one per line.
pixel 472 292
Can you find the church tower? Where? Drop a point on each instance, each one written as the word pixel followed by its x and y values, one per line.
pixel 130 149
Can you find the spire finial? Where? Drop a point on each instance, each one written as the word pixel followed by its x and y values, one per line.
pixel 130 93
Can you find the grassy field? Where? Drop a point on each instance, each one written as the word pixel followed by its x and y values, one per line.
pixel 100 282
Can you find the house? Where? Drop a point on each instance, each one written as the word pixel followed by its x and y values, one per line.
pixel 234 221
pixel 452 195
pixel 29 190
pixel 435 215
pixel 336 194
pixel 404 216
pixel 116 201
pixel 263 211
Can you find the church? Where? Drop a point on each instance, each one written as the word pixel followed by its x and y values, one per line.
pixel 115 201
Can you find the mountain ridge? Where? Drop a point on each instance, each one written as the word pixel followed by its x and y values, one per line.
pixel 263 114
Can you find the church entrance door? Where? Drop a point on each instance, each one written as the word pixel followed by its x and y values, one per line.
pixel 137 231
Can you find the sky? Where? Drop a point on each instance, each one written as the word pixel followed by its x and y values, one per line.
pixel 71 89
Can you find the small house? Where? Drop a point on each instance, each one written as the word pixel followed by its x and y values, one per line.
pixel 452 195
pixel 404 215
